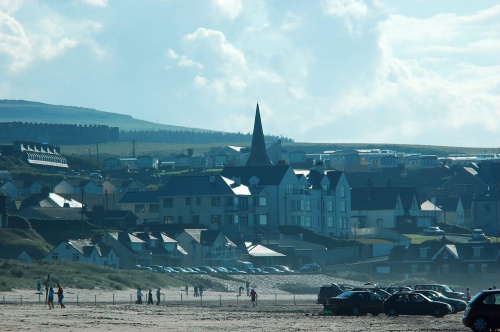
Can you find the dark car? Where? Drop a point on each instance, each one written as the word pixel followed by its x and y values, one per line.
pixel 443 289
pixel 456 304
pixel 310 268
pixel 405 303
pixel 483 311
pixel 394 289
pixel 328 291
pixel 379 291
pixel 355 303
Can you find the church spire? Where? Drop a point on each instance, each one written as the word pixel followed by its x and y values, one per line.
pixel 258 154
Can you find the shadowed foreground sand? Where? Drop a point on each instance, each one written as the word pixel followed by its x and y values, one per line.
pixel 273 313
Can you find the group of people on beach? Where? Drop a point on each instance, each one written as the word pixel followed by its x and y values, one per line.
pixel 149 296
pixel 49 292
pixel 197 290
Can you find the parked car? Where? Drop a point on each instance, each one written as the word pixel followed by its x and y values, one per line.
pixel 272 270
pixel 394 289
pixel 328 291
pixel 258 270
pixel 456 304
pixel 310 268
pixel 478 235
pixel 197 270
pixel 170 270
pixel 355 303
pixel 433 230
pixel 283 268
pixel 207 269
pixel 443 289
pixel 180 269
pixel 95 175
pixel 379 291
pixel 234 270
pixel 405 303
pixel 483 311
pixel 221 269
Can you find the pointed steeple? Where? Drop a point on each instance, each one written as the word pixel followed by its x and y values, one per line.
pixel 258 154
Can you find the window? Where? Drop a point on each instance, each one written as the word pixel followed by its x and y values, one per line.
pixel 342 191
pixel 193 247
pixel 168 202
pixel 216 219
pixel 262 219
pixel 446 268
pixel 289 188
pixel 307 205
pixel 262 201
pixel 329 222
pixel 196 219
pixel 140 208
pixel 296 220
pixel 343 206
pixel 76 257
pixel 243 219
pixel 471 268
pixel 445 255
pixel 477 251
pixel 423 252
pixel 232 219
pixel 216 201
pixel 343 223
pixel 168 220
pixel 153 207
pixel 308 221
pixel 329 206
pixel 188 200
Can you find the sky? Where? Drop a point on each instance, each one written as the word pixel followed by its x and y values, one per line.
pixel 323 71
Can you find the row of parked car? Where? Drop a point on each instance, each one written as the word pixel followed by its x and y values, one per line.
pixel 481 314
pixel 274 269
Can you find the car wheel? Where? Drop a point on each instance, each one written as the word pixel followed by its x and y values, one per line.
pixel 480 324
pixel 437 313
pixel 392 312
pixel 453 309
pixel 355 311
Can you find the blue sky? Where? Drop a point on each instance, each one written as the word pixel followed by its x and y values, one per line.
pixel 375 71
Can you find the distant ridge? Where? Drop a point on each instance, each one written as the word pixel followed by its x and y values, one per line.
pixel 29 111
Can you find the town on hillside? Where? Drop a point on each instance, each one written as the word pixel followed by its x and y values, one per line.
pixel 252 207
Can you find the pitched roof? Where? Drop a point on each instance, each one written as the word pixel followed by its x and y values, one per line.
pixel 201 186
pixel 334 177
pixel 382 198
pixel 258 154
pixel 268 175
pixel 447 203
pixel 258 250
pixel 52 213
pixel 140 197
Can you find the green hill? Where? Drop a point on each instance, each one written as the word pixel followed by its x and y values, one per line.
pixel 28 111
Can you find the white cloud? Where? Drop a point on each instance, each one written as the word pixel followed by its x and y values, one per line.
pixel 96 3
pixel 353 12
pixel 14 43
pixel 229 8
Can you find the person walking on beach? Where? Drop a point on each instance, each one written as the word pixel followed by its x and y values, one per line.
pixel 186 289
pixel 50 299
pixel 139 296
pixel 195 291
pixel 468 294
pixel 60 296
pixel 158 295
pixel 253 296
pixel 200 289
pixel 150 297
pixel 47 287
pixel 248 288
pixel 38 284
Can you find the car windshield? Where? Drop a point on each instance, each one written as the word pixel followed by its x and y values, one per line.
pixel 448 289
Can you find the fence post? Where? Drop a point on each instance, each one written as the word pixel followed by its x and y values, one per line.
pixel 220 300
pixel 181 297
pixel 237 300
pixel 201 300
pixel 95 299
pixel 39 298
pixel 21 300
pixel 275 299
pixel 4 299
pixel 130 298
pixel 77 299
pixel 113 298
pixel 294 302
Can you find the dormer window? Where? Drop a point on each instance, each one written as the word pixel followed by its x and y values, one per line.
pixel 477 251
pixel 445 255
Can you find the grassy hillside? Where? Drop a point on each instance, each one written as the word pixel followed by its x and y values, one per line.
pixel 17 240
pixel 28 111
